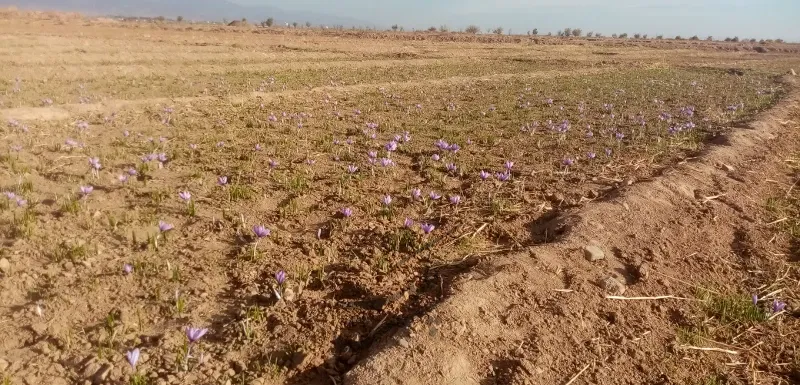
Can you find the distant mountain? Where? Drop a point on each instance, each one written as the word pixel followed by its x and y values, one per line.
pixel 199 10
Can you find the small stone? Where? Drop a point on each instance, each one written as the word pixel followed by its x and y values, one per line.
pixel 288 295
pixel 39 328
pixel 613 286
pixel 5 266
pixel 728 167
pixel 644 271
pixel 3 365
pixel 298 359
pixel 791 71
pixel 403 342
pixel 230 372
pixel 593 253
pixel 102 373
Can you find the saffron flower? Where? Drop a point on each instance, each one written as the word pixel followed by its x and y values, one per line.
pixel 95 163
pixel 280 277
pixel 194 334
pixel 185 195
pixel 591 155
pixel 455 199
pixel 608 152
pixel 484 175
pixel 86 190
pixel 222 180
pixel 164 226
pixel 435 157
pixel 132 357
pixel 273 163
pixel 408 223
pixel 127 268
pixel 427 228
pixel 346 212
pixel 508 165
pixel 568 162
pixel 778 306
pixel 451 167
pixel 386 162
pixel 261 231
pixel 372 154
pixel 433 195
pixel 352 169
pixel 391 146
pixel 416 194
pixel 386 200
pixel 503 176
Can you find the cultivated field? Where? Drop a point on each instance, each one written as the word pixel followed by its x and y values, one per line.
pixel 319 201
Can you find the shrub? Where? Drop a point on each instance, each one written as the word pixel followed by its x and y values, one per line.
pixel 678 37
pixel 567 31
pixel 535 31
pixel 473 29
pixel 308 24
pixel 710 38
pixel 395 27
pixel 614 35
pixel 577 32
pixel 179 19
pixel 659 37
pixel 623 36
pixel 444 28
pixel 431 29
pixel 294 24
pixel 694 38
pixel 589 34
pixel 637 35
pixel 498 31
pixel 735 39
pixel 644 36
pixel 777 40
pixel 269 22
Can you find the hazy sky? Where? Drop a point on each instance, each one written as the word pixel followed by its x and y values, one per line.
pixel 720 18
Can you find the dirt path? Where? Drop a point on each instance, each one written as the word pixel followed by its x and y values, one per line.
pixel 542 316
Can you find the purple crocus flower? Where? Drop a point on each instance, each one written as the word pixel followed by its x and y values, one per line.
pixel 122 178
pixel 127 268
pixel 261 231
pixel 273 163
pixel 619 135
pixel 372 154
pixel 280 277
pixel 408 223
pixel 591 155
pixel 352 169
pixel 416 194
pixel 95 163
pixel 386 200
pixel 434 196
pixel 21 202
pixel 441 144
pixel 258 147
pixel 455 199
pixel 451 167
pixel 568 162
pixel 164 226
pixel 484 175
pixel 778 306
pixel 133 357
pixel 435 157
pixel 86 190
pixel 608 152
pixel 10 195
pixel 589 134
pixel 132 172
pixel 346 212
pixel 220 144
pixel 194 334
pixel 755 299
pixel 406 136
pixel 386 162
pixel 185 195
pixel 162 157
pixel 193 146
pixel 503 176
pixel 222 180
pixel 427 228
pixel 508 165
pixel 454 147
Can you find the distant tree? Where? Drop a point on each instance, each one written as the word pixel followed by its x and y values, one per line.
pixel 535 31
pixel 567 32
pixel 560 33
pixel 473 29
pixel 432 29
pixel 498 31
pixel 678 37
pixel 577 32
pixel 614 35
pixel 589 34
pixel 269 22
pixel 637 35
pixel 644 36
pixel 549 34
pixel 444 28
pixel 395 27
pixel 294 24
pixel 735 39
pixel 710 38
pixel 179 19
pixel 160 18
pixel 308 24
pixel 780 41
pixel 659 37
pixel 244 20
pixel 695 37
pixel 623 36
pixel 598 34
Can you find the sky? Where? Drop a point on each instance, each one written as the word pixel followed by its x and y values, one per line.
pixel 719 18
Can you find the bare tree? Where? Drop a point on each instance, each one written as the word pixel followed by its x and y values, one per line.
pixel 498 31
pixel 577 32
pixel 473 29
pixel 535 31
